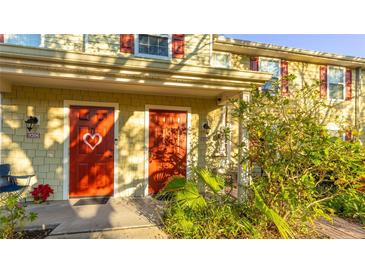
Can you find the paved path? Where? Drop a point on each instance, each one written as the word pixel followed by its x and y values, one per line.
pixel 341 229
pixel 129 233
pixel 118 216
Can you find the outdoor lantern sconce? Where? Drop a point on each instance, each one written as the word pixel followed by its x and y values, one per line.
pixel 30 122
pixel 206 127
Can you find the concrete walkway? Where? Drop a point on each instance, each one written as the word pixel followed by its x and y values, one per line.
pixel 118 218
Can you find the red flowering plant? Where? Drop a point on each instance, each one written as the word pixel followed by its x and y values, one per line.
pixel 41 193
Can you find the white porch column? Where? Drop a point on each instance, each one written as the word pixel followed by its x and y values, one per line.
pixel 243 169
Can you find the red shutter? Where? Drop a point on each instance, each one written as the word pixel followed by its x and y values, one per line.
pixel 1 38
pixel 284 81
pixel 323 81
pixel 254 63
pixel 348 135
pixel 178 45
pixel 348 84
pixel 127 43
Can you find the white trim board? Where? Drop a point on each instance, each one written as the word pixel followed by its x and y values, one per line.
pixel 146 138
pixel 169 41
pixel 66 143
pixel 1 126
pixel 343 83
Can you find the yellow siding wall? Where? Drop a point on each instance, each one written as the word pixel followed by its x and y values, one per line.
pixel 44 156
pixel 197 46
pixel 307 73
pixel 72 42
pixel 240 62
pixel 362 106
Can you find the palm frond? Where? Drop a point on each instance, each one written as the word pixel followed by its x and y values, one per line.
pixel 177 183
pixel 282 226
pixel 214 182
pixel 190 197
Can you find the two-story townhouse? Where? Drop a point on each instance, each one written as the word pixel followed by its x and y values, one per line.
pixel 112 115
pixel 120 114
pixel 341 79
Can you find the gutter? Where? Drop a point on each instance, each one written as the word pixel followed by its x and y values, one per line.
pixel 357 98
pixel 301 55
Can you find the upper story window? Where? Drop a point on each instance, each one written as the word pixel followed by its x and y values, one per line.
pixel 272 66
pixel 221 60
pixel 336 83
pixel 30 40
pixel 153 45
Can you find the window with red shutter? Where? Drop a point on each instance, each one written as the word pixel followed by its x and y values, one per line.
pixel 348 84
pixel 348 135
pixel 178 45
pixel 127 43
pixel 284 74
pixel 254 63
pixel 323 81
pixel 273 66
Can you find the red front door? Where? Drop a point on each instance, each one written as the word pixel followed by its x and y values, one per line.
pixel 91 151
pixel 167 147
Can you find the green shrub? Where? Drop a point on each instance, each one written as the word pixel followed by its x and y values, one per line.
pixel 215 221
pixel 303 165
pixel 13 217
pixel 307 172
pixel 215 214
pixel 350 204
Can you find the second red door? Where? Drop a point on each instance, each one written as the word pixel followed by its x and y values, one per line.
pixel 167 147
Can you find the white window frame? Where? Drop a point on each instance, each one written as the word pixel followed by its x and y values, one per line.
pixel 137 53
pixel 41 45
pixel 85 42
pixel 328 84
pixel 215 65
pixel 270 59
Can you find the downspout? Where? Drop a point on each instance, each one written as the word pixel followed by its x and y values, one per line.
pixel 1 126
pixel 357 98
pixel 243 169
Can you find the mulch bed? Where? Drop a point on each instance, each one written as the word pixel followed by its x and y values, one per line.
pixel 36 234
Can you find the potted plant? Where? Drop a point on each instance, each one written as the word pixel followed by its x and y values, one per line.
pixel 41 193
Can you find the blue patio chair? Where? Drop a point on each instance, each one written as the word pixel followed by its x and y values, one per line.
pixel 9 183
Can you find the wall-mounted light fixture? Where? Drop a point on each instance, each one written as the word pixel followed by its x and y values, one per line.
pixel 30 122
pixel 206 127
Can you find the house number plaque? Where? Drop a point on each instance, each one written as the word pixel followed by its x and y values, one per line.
pixel 33 135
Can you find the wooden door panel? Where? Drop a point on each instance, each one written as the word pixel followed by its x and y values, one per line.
pixel 167 147
pixel 91 151
pixel 83 177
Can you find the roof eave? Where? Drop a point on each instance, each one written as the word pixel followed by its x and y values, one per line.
pixel 261 49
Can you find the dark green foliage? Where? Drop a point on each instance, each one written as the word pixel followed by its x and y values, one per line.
pixel 306 173
pixel 216 214
pixel 350 204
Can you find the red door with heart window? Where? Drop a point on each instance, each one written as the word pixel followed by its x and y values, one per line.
pixel 167 147
pixel 91 151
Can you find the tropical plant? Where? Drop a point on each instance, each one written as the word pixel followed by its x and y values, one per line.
pixel 303 165
pixel 306 172
pixel 350 204
pixel 13 217
pixel 215 214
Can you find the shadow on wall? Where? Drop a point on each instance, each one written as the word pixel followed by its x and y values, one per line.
pixel 308 75
pixel 44 156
